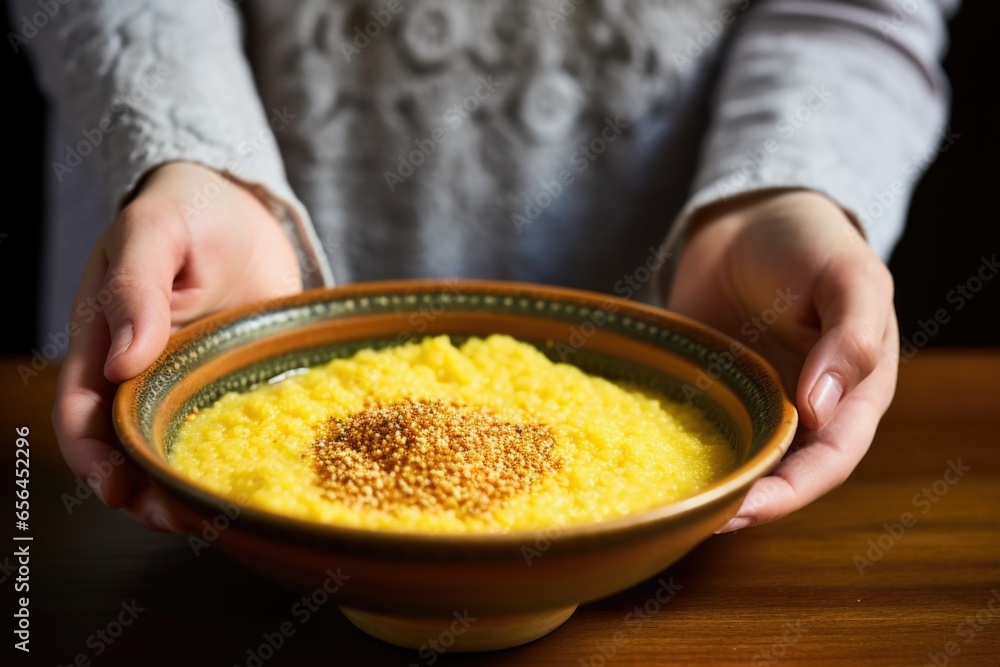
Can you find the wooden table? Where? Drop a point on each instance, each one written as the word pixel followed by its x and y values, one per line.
pixel 788 593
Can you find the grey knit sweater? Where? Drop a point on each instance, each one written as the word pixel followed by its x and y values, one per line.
pixel 554 142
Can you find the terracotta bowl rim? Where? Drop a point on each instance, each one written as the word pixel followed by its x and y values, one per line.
pixel 142 452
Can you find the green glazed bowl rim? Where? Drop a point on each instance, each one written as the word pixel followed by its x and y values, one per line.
pixel 143 452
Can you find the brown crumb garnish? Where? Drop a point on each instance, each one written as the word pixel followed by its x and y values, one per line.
pixel 430 455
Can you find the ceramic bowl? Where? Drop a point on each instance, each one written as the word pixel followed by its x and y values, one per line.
pixel 410 588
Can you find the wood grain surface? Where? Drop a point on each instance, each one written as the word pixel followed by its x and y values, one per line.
pixel 899 566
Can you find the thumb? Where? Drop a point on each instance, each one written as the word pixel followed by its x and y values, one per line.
pixel 146 250
pixel 850 299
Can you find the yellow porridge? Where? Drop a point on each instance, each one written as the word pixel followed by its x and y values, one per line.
pixel 490 436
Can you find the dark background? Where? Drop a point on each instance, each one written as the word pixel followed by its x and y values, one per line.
pixel 952 221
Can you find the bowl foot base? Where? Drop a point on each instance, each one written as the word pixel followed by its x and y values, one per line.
pixel 459 632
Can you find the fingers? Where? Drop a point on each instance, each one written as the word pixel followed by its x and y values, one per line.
pixel 823 459
pixel 146 508
pixel 853 300
pixel 81 416
pixel 82 413
pixel 820 465
pixel 154 268
pixel 146 250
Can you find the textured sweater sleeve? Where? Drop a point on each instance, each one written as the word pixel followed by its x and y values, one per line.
pixel 149 82
pixel 842 97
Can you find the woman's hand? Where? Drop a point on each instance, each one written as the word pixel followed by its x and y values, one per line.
pixel 191 242
pixel 787 274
